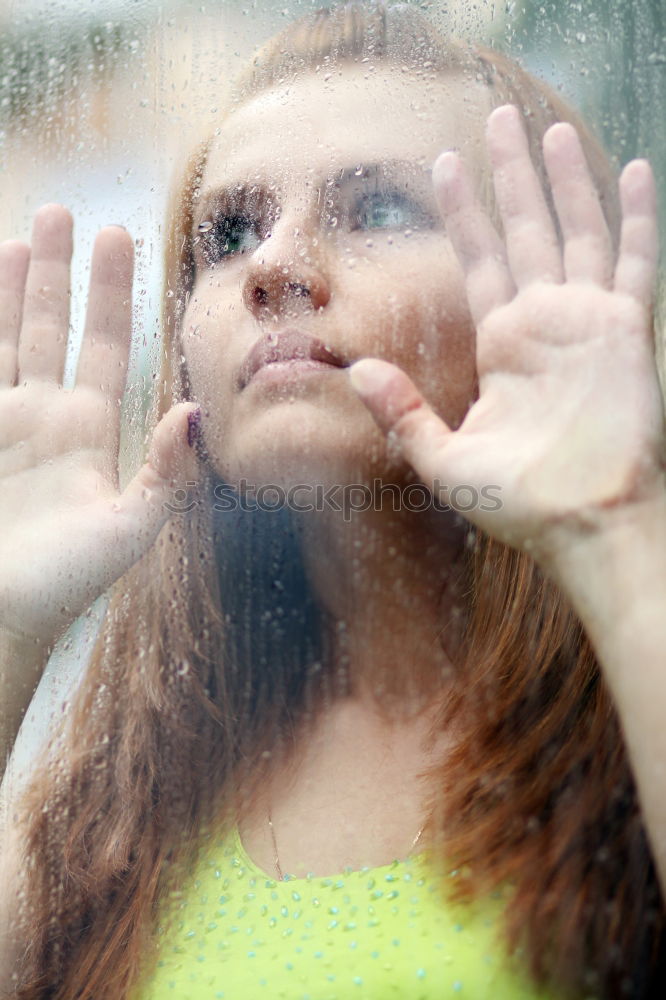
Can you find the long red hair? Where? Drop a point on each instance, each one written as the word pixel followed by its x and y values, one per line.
pixel 174 713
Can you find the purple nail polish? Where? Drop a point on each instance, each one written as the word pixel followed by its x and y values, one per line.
pixel 193 427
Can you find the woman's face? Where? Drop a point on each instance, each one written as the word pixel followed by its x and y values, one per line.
pixel 318 242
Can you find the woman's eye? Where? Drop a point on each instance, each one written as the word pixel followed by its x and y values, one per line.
pixel 383 211
pixel 230 234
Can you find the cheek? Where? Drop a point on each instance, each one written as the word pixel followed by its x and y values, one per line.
pixel 208 361
pixel 420 320
pixel 440 356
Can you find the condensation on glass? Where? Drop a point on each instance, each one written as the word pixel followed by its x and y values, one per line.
pixel 99 104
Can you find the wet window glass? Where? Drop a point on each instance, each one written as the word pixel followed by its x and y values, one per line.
pixel 333 510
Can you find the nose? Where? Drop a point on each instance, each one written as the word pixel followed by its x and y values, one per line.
pixel 286 274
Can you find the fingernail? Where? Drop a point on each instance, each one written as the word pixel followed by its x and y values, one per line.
pixel 193 426
pixel 368 376
pixel 445 166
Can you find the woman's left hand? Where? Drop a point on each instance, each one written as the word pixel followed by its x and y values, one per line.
pixel 569 425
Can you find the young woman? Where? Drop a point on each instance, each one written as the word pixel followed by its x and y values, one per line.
pixel 387 739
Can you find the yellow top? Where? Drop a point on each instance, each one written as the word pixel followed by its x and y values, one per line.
pixel 238 934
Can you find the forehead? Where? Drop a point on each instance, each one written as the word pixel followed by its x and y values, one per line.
pixel 349 115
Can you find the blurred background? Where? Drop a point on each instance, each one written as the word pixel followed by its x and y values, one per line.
pixel 100 99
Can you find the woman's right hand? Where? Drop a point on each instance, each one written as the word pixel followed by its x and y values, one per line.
pixel 66 532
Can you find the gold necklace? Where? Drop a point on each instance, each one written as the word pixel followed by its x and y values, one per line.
pixel 278 867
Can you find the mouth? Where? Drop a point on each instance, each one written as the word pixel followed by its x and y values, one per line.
pixel 288 347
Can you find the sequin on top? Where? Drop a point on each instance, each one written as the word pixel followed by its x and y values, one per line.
pixel 375 933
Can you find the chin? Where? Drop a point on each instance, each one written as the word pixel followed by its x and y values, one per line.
pixel 289 466
pixel 295 443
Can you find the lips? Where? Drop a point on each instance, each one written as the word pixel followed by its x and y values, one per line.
pixel 287 345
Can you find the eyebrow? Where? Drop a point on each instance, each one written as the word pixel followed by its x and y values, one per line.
pixel 239 190
pixel 379 168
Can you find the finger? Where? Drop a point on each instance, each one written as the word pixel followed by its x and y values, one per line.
pixel 170 465
pixel 104 355
pixel 588 249
pixel 636 270
pixel 45 323
pixel 14 261
pixel 531 240
pixel 125 527
pixel 474 238
pixel 401 412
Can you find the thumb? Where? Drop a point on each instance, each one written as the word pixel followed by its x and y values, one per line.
pixel 160 487
pixel 403 413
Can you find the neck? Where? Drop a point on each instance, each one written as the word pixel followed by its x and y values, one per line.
pixel 390 581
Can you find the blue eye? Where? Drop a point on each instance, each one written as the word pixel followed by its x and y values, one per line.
pixel 227 235
pixel 381 210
